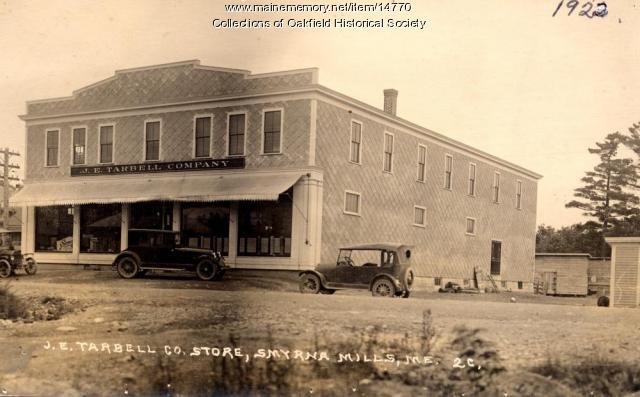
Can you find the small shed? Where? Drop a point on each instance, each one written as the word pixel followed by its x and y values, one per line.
pixel 561 274
pixel 625 271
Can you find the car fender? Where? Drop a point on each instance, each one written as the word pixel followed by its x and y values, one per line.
pixel 397 283
pixel 323 280
pixel 125 254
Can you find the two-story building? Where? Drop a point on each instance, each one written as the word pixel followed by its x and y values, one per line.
pixel 274 170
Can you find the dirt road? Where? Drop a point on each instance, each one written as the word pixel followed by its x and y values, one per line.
pixel 172 315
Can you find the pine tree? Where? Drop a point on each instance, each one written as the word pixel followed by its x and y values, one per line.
pixel 606 194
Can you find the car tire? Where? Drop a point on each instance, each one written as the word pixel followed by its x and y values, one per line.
pixel 383 287
pixel 5 269
pixel 30 267
pixel 206 270
pixel 127 267
pixel 603 301
pixel 309 284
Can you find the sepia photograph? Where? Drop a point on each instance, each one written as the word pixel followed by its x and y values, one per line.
pixel 305 198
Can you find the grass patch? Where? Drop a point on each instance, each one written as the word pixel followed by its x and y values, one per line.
pixel 594 376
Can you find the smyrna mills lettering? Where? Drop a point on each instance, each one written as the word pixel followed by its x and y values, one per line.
pixel 170 166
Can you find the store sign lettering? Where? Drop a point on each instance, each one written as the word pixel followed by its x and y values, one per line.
pixel 171 166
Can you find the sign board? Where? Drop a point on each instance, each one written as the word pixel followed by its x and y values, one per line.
pixel 154 167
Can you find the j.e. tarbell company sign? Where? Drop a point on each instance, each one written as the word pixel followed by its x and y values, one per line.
pixel 169 166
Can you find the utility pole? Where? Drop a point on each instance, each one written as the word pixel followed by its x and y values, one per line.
pixel 6 167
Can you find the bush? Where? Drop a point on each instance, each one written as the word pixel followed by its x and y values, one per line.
pixel 11 307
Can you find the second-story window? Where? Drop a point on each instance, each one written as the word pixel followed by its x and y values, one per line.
pixel 387 162
pixel 448 171
pixel 471 190
pixel 152 140
pixel 272 132
pixel 106 144
pixel 496 187
pixel 53 144
pixel 422 163
pixel 236 134
pixel 79 145
pixel 355 146
pixel 203 136
pixel 519 195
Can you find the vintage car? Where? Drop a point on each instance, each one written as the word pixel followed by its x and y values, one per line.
pixel 160 250
pixel 12 260
pixel 382 268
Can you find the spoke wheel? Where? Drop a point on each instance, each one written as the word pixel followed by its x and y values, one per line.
pixel 383 287
pixel 30 267
pixel 206 270
pixel 127 267
pixel 5 269
pixel 309 284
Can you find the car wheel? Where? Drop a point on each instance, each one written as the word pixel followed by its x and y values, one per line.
pixel 603 301
pixel 30 267
pixel 206 270
pixel 309 284
pixel 127 267
pixel 327 291
pixel 5 269
pixel 383 287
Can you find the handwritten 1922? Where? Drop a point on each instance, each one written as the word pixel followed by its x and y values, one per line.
pixel 588 9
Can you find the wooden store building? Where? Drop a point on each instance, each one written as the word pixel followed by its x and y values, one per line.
pixel 274 170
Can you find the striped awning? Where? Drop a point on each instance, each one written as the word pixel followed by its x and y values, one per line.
pixel 228 187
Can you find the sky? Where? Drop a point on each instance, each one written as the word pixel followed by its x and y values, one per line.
pixel 506 77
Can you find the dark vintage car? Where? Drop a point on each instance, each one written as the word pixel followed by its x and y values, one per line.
pixel 12 260
pixel 160 250
pixel 382 268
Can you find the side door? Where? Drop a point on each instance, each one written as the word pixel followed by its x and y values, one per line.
pixel 165 250
pixel 496 257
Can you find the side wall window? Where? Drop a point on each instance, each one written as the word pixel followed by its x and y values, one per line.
pixel 355 145
pixel 106 144
pixel 53 147
pixel 272 132
pixel 236 134
pixel 79 145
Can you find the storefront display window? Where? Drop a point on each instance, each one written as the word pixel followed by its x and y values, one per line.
pixel 54 228
pixel 156 215
pixel 264 227
pixel 100 228
pixel 206 226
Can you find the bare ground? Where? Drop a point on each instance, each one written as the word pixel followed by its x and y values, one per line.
pixel 253 310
